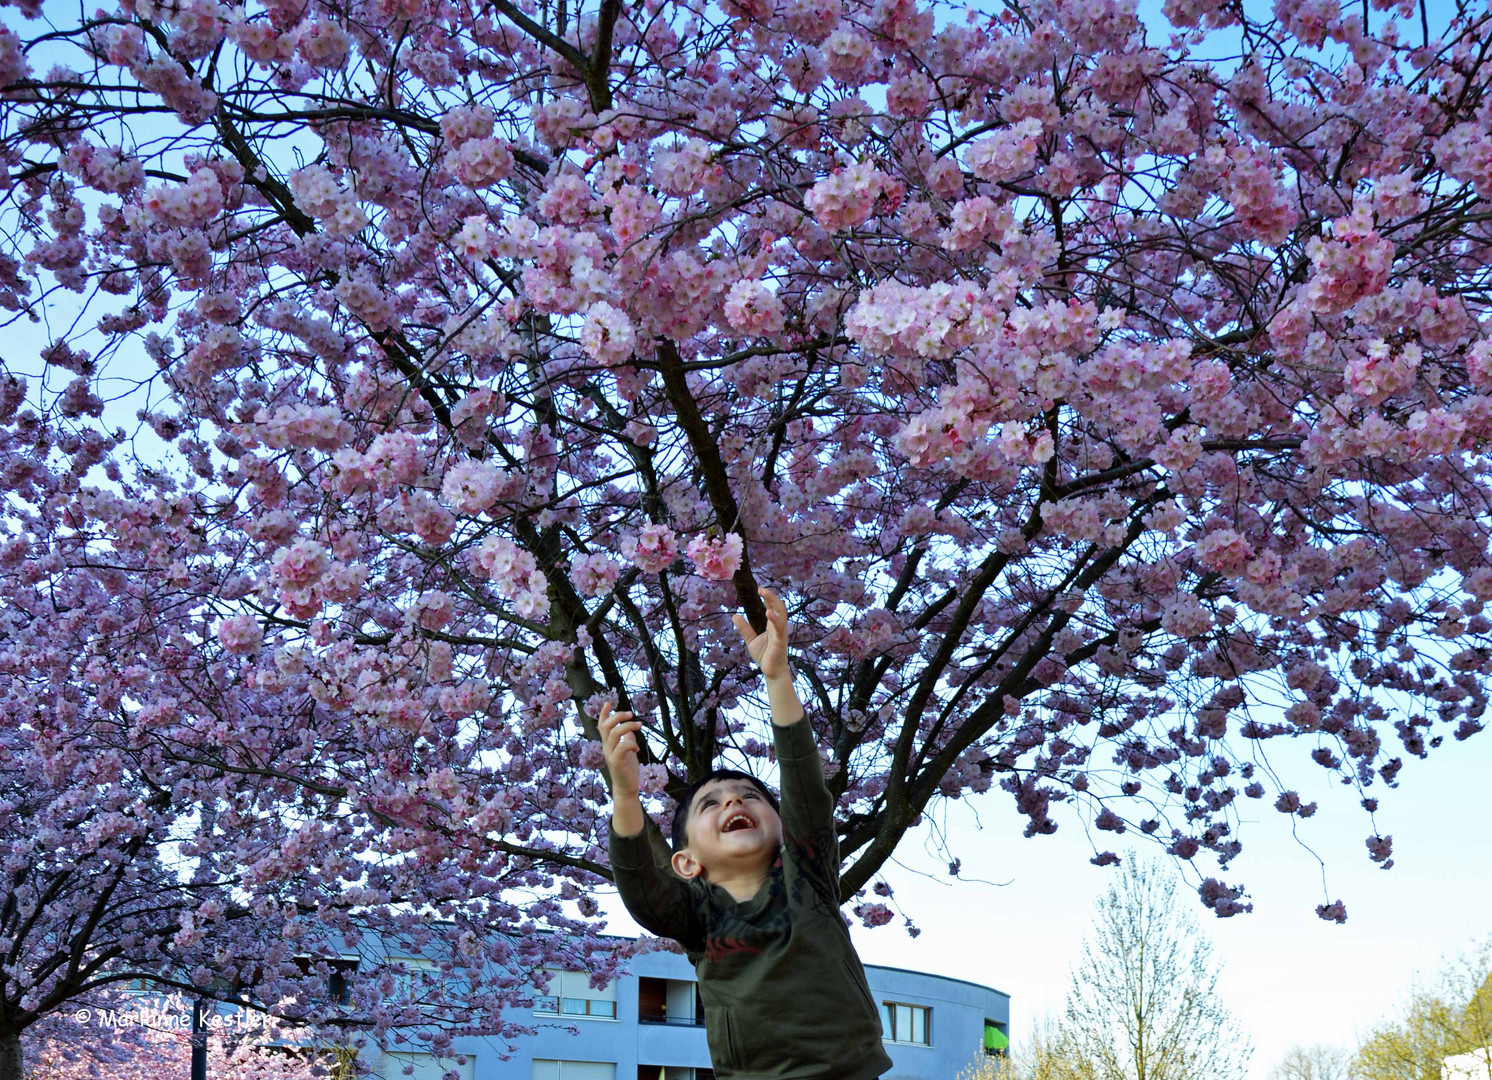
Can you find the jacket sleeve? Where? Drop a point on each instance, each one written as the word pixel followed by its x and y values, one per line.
pixel 661 902
pixel 807 808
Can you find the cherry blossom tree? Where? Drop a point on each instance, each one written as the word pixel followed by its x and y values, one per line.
pixel 87 902
pixel 1108 401
pixel 129 861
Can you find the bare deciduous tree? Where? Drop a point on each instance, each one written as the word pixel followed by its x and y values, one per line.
pixel 1313 1061
pixel 1143 1004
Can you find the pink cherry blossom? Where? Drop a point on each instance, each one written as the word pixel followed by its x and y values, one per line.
pixel 1375 374
pixel 319 194
pixel 874 914
pixel 1354 262
pixel 481 162
pixel 974 221
pixel 1006 154
pixel 716 559
pixel 679 172
pixel 652 548
pixel 466 122
pixel 319 427
pixel 300 564
pixel 594 574
pixel 470 487
pixel 516 573
pixel 848 197
pixel 848 53
pixel 1223 550
pixel 322 44
pixel 193 204
pixel 240 634
pixel 147 1053
pixel 13 63
pixel 568 200
pixel 608 337
pixel 752 308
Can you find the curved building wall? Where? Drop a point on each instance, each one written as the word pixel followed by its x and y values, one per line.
pixel 935 1028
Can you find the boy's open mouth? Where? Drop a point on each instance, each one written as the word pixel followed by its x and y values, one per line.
pixel 738 820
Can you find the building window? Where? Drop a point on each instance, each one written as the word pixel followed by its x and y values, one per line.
pixel 425 1066
pixel 588 1007
pixel 570 994
pixel 669 1001
pixel 338 978
pixel 673 1072
pixel 415 980
pixel 903 1023
pixel 996 1039
pixel 549 1069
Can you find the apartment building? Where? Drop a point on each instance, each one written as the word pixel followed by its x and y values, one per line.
pixel 648 1024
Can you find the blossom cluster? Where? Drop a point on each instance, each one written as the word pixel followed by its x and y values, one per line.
pixel 516 574
pixel 652 548
pixel 1006 154
pixel 849 196
pixel 318 193
pixel 716 559
pixel 936 321
pixel 608 337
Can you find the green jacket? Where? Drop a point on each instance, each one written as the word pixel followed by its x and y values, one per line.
pixel 785 996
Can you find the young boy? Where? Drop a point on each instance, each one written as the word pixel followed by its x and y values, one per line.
pixel 754 897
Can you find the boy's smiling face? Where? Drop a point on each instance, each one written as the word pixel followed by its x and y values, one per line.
pixel 731 826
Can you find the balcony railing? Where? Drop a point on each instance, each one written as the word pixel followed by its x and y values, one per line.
pixel 671 1021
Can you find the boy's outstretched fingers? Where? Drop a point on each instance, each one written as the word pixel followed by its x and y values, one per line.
pixel 747 634
pixel 613 725
pixel 769 648
pixel 776 615
pixel 756 644
pixel 619 745
pixel 776 609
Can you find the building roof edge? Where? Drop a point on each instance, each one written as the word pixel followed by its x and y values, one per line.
pixel 882 967
pixel 945 978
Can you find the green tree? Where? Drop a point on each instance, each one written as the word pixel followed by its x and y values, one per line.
pixel 988 1067
pixel 1450 1017
pixel 1041 1056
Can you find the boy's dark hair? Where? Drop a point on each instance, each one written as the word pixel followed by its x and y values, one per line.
pixel 678 834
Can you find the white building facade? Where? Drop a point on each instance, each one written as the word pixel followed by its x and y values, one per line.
pixel 1476 1065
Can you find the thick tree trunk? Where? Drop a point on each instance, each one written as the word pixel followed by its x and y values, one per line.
pixel 10 1056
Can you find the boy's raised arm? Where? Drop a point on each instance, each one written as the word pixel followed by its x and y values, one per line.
pixel 807 806
pixel 769 650
pixel 619 744
pixel 656 899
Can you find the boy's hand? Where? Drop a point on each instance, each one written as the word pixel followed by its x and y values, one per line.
pixel 769 648
pixel 619 743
